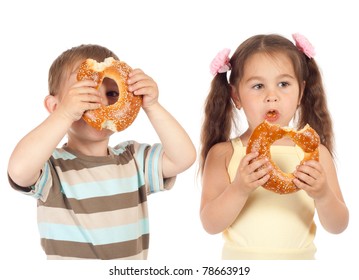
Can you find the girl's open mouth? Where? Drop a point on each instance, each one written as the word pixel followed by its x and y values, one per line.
pixel 272 115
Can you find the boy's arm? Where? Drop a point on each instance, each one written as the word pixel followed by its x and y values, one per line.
pixel 179 151
pixel 35 149
pixel 31 153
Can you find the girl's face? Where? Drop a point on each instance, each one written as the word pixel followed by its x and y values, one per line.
pixel 268 90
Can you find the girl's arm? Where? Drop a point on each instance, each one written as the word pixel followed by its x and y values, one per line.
pixel 179 151
pixel 222 200
pixel 319 180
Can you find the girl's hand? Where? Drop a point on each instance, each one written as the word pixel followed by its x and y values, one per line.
pixel 82 96
pixel 251 175
pixel 310 177
pixel 141 84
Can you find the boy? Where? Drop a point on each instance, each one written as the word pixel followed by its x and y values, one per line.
pixel 92 199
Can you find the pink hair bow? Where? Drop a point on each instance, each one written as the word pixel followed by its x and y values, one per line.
pixel 304 45
pixel 220 64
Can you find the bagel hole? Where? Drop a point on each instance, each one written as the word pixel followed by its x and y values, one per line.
pixel 281 160
pixel 111 90
pixel 285 141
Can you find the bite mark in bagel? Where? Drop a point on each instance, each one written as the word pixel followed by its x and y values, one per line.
pixel 265 134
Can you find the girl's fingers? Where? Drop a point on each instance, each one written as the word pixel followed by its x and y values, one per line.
pixel 248 158
pixel 305 178
pixel 263 180
pixel 261 173
pixel 309 170
pixel 300 184
pixel 255 165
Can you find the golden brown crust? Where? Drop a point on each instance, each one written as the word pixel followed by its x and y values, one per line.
pixel 121 114
pixel 265 135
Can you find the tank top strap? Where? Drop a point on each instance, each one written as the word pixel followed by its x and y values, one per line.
pixel 238 154
pixel 237 143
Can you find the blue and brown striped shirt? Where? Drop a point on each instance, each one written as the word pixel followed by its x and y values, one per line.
pixel 96 207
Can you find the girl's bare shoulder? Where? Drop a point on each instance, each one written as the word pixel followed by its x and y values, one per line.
pixel 221 151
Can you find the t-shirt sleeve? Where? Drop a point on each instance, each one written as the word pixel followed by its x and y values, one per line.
pixel 153 175
pixel 41 188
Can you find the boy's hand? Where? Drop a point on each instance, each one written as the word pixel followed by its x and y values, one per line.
pixel 170 132
pixel 82 96
pixel 141 84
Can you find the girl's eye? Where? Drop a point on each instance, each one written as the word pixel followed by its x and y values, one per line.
pixel 283 84
pixel 113 94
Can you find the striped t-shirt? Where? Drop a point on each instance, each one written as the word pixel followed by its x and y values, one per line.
pixel 96 207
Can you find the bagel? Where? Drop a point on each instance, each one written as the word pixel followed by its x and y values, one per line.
pixel 122 113
pixel 265 134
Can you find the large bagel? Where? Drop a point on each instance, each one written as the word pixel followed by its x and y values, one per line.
pixel 121 114
pixel 265 135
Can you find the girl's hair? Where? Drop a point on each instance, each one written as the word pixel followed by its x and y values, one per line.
pixel 219 110
pixel 66 61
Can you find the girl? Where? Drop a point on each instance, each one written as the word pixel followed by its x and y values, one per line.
pixel 271 79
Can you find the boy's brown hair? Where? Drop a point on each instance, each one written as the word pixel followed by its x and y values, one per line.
pixel 64 63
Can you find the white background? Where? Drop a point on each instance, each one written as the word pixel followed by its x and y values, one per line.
pixel 174 42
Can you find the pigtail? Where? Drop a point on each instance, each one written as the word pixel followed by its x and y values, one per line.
pixel 218 116
pixel 314 109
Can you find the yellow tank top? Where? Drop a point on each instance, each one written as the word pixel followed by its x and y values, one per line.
pixel 271 226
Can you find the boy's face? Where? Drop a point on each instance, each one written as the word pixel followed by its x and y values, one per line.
pixel 108 89
pixel 109 93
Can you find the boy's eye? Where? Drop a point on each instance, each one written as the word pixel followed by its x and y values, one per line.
pixel 113 94
pixel 112 97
